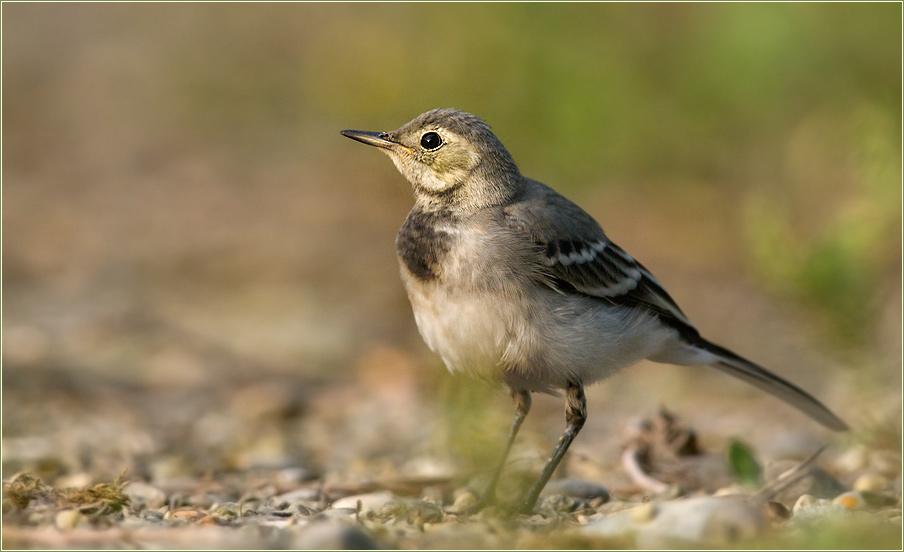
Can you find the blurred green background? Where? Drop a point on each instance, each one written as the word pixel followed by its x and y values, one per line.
pixel 179 209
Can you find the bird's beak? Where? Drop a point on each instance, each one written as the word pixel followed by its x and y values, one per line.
pixel 379 139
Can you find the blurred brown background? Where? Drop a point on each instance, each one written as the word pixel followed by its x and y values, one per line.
pixel 198 267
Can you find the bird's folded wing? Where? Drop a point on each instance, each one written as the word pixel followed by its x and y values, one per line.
pixel 579 258
pixel 602 269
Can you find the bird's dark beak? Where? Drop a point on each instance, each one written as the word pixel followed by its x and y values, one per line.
pixel 379 139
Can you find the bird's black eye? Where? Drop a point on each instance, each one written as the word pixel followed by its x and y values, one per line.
pixel 431 141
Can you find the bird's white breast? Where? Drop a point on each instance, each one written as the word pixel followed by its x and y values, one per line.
pixel 486 312
pixel 460 313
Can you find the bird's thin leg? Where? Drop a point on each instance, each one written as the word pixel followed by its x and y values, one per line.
pixel 522 407
pixel 575 415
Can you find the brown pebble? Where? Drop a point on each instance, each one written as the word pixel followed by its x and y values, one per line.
pixel 188 514
pixel 851 500
pixel 208 520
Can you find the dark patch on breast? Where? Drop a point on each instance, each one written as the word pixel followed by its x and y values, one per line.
pixel 420 245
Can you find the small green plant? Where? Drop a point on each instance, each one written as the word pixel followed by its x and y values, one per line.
pixel 24 489
pixel 743 464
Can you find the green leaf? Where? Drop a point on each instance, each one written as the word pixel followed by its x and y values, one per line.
pixel 743 464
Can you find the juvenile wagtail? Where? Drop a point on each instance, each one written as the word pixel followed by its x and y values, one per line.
pixel 510 280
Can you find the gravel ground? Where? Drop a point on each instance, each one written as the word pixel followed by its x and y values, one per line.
pixel 243 456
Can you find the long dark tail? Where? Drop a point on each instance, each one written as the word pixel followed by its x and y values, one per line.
pixel 741 368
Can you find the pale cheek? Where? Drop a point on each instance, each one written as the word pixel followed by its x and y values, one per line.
pixel 431 182
pixel 452 176
pixel 426 177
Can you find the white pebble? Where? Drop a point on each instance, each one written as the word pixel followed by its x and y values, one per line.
pixel 870 482
pixel 369 501
pixel 66 520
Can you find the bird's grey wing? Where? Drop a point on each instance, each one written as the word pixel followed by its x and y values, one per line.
pixel 578 257
pixel 598 267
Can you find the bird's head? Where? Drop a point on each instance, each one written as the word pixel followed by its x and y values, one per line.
pixel 450 157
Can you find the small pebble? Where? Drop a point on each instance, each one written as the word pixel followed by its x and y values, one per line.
pixel 185 514
pixel 336 513
pixel 464 502
pixel 229 511
pixel 851 500
pixel 152 515
pixel 66 520
pixel 369 501
pixel 805 501
pixel 870 482
pixel 577 488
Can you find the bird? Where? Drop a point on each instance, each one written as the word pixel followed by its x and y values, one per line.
pixel 510 281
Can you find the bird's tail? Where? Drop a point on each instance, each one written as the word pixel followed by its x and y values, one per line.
pixel 741 368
